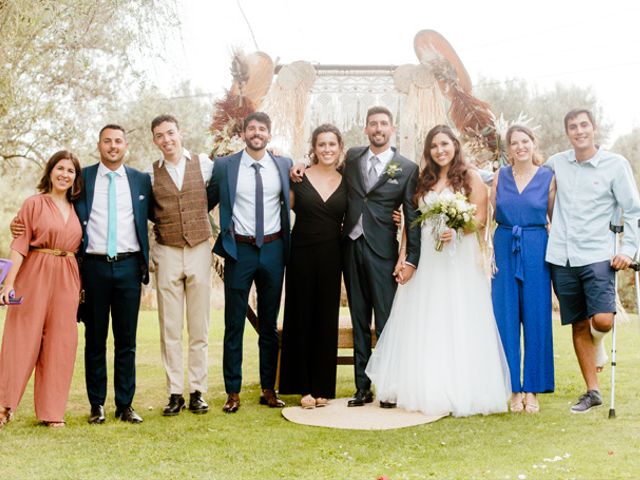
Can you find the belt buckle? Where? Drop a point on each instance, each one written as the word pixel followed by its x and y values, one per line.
pixel 112 259
pixel 59 253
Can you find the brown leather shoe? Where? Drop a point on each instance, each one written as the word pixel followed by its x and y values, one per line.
pixel 232 404
pixel 270 397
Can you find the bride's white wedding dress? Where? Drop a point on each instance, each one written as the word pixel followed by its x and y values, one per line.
pixel 440 351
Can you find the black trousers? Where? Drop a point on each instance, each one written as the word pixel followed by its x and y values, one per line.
pixel 111 288
pixel 370 289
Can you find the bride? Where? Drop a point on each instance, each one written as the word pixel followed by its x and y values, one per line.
pixel 440 351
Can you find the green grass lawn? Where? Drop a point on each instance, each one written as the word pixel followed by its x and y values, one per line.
pixel 258 443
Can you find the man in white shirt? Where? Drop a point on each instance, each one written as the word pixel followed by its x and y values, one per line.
pixel 252 188
pixel 592 186
pixel 113 210
pixel 181 256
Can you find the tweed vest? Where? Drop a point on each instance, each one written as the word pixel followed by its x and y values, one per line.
pixel 181 216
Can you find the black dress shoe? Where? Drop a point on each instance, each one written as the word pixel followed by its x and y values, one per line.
pixel 97 414
pixel 126 414
pixel 270 397
pixel 387 404
pixel 175 405
pixel 197 404
pixel 232 404
pixel 360 398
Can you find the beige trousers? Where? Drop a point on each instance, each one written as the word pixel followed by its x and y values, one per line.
pixel 184 274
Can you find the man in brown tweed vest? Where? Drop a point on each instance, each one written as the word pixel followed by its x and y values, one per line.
pixel 182 259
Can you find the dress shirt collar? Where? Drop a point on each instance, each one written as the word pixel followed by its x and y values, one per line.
pixel 595 160
pixel 185 154
pixel 103 170
pixel 247 160
pixel 384 157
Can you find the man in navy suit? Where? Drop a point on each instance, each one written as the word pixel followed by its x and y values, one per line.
pixel 252 188
pixel 113 210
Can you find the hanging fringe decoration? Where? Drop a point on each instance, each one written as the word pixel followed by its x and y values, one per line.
pixel 286 104
pixel 425 107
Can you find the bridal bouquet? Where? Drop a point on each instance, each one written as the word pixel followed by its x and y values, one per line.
pixel 446 210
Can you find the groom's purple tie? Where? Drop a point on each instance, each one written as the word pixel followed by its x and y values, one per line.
pixel 259 206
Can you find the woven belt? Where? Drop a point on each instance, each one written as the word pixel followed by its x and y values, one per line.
pixel 107 258
pixel 252 240
pixel 54 251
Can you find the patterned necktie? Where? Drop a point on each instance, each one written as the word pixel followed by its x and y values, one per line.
pixel 259 206
pixel 112 223
pixel 372 175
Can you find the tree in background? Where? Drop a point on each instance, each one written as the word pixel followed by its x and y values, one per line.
pixel 190 106
pixel 546 110
pixel 62 61
pixel 628 145
pixel 63 65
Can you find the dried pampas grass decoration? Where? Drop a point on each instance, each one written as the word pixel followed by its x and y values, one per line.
pixel 287 102
pixel 424 107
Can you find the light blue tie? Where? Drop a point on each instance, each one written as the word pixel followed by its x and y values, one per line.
pixel 112 224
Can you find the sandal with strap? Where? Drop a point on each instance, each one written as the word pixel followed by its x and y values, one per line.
pixel 5 416
pixel 531 404
pixel 516 405
pixel 308 402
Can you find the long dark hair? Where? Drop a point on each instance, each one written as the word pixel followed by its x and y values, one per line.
pixel 44 185
pixel 457 173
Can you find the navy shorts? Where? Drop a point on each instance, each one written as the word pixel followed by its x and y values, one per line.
pixel 584 291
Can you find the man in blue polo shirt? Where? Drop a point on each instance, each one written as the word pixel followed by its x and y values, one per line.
pixel 593 185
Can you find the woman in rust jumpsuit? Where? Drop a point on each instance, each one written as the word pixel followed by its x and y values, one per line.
pixel 41 333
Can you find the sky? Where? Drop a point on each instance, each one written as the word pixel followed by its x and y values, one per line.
pixel 583 43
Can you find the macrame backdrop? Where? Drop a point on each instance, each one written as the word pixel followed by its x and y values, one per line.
pixel 304 96
pixel 287 103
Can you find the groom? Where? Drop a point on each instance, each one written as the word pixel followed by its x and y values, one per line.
pixel 379 180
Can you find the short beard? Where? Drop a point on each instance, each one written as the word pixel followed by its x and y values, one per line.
pixel 253 149
pixel 379 144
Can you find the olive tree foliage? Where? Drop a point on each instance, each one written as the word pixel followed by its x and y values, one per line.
pixel 545 109
pixel 63 61
pixel 628 145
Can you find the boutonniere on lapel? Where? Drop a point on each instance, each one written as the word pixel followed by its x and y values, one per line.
pixel 393 171
pixel 141 197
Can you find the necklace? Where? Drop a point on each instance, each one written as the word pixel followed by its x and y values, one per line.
pixel 523 175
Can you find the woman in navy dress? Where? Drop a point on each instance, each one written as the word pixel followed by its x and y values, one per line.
pixel 312 301
pixel 522 196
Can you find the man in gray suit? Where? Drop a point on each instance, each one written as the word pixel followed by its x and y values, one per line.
pixel 379 180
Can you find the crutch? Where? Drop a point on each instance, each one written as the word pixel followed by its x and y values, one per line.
pixel 617 228
pixel 635 266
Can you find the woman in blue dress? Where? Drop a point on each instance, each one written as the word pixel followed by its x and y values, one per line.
pixel 522 196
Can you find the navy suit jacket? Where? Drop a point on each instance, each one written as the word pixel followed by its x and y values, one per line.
pixel 222 190
pixel 141 200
